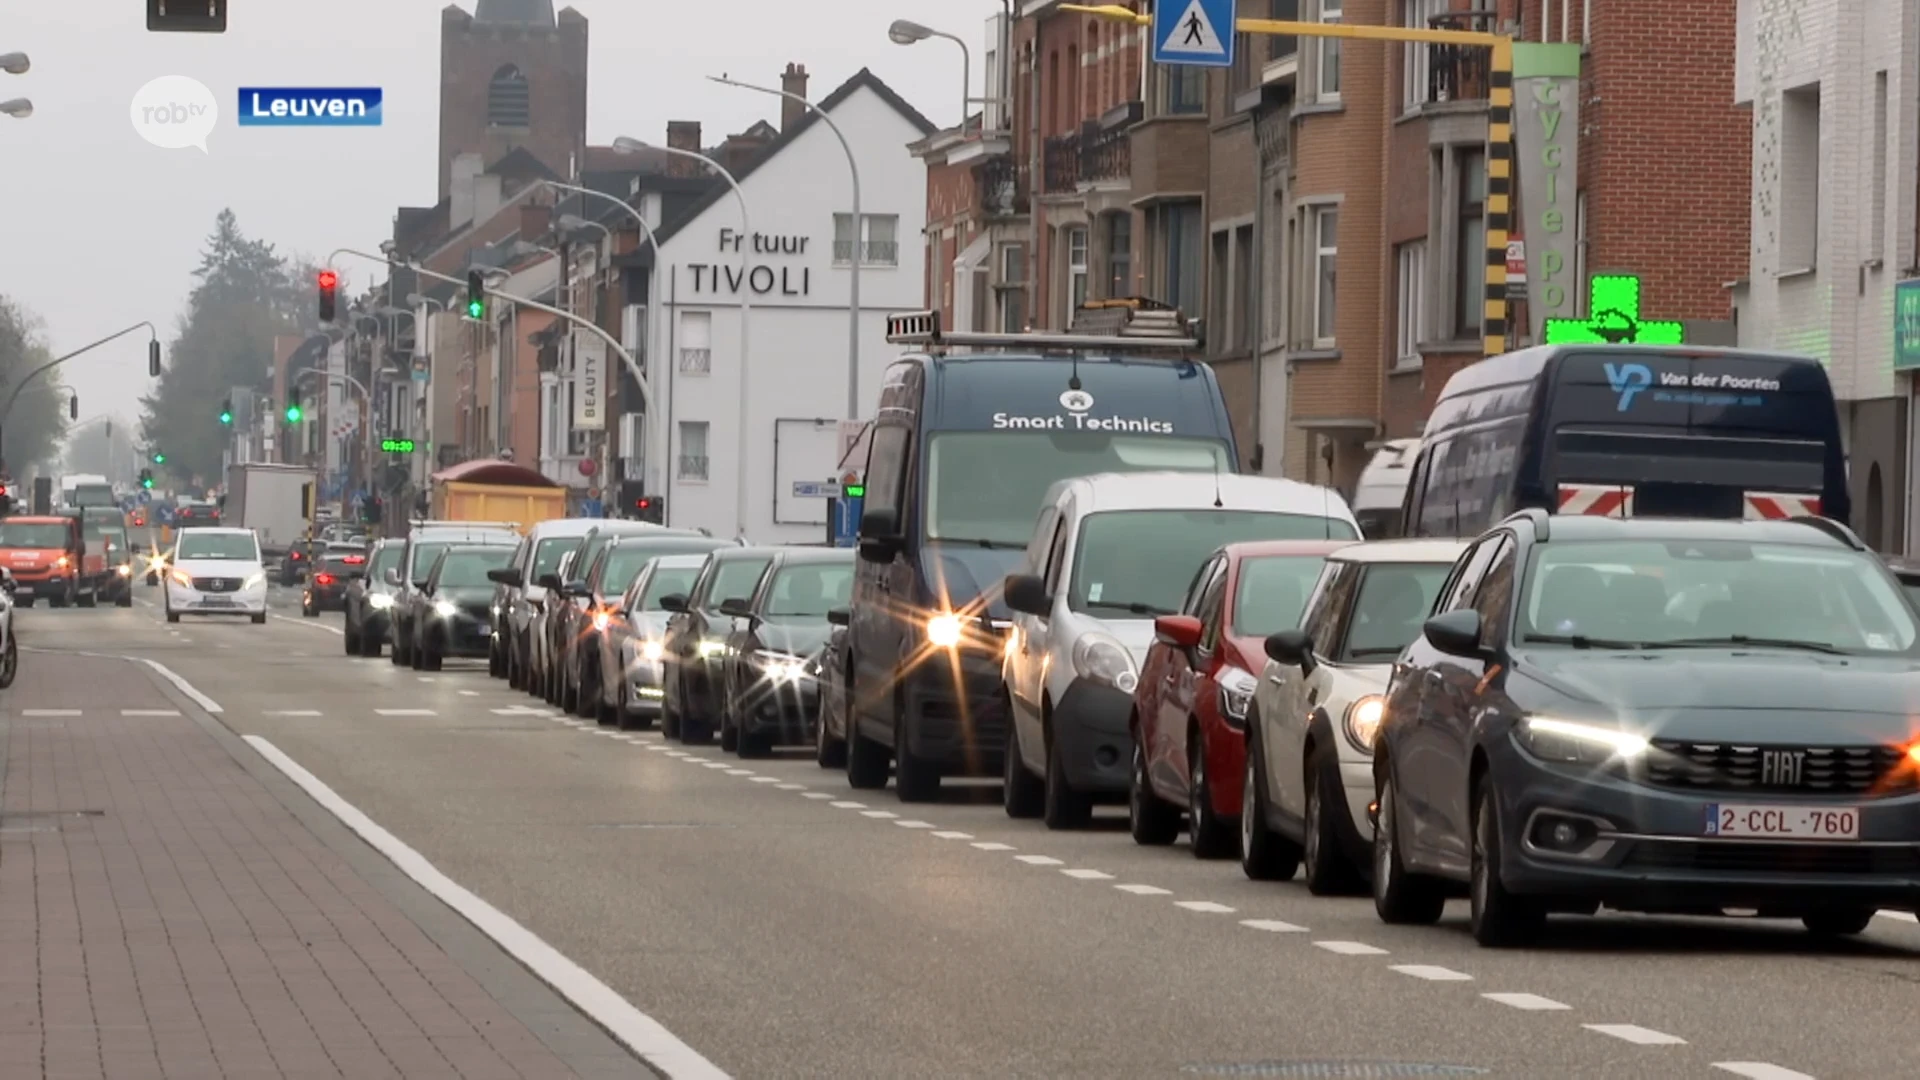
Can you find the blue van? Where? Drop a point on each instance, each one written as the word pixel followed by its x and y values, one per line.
pixel 963 448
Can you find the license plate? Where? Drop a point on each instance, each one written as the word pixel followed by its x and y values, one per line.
pixel 1783 822
pixel 216 601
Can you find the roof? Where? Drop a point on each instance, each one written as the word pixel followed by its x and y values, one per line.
pixel 525 12
pixel 682 562
pixel 862 79
pixel 1526 364
pixel 1403 551
pixel 816 555
pixel 730 554
pixel 479 532
pixel 227 529
pixel 563 528
pixel 493 471
pixel 1588 527
pixel 1263 549
pixel 1199 490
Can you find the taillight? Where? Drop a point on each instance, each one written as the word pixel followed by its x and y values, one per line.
pixel 354 560
pixel 323 579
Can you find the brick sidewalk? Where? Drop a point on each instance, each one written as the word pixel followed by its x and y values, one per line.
pixel 162 914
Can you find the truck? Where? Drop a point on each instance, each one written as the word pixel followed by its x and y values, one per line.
pixel 491 490
pixel 270 500
pixel 86 489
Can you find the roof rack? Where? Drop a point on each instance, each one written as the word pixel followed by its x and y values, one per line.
pixel 1133 325
pixel 1542 521
pixel 439 523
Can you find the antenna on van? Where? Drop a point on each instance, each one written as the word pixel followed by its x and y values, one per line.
pixel 1073 380
pixel 1218 502
pixel 1326 511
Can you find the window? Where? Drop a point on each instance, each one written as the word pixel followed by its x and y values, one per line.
pixel 1013 288
pixel 1877 201
pixel 467 569
pixel 1129 557
pixel 1076 269
pixel 1328 53
pixel 1470 251
pixel 1220 296
pixel 693 451
pixel 1183 89
pixel 1322 276
pixel 887 469
pixel 194 544
pixel 878 240
pixel 1416 56
pixel 1393 603
pixel 1410 306
pixel 1243 294
pixel 509 102
pixel 809 590
pixel 1243 75
pixel 1272 592
pixel 1331 598
pixel 1799 179
pixel 1559 25
pixel 696 342
pixel 1181 274
pixel 1120 254
pixel 1283 46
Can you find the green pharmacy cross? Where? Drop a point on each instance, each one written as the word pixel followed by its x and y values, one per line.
pixel 1614 303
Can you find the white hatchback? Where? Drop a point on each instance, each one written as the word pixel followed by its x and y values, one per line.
pixel 216 572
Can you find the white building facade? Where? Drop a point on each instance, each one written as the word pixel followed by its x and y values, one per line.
pixel 795 268
pixel 1834 86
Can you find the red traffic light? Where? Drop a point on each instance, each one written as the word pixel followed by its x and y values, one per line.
pixel 328 279
pixel 643 504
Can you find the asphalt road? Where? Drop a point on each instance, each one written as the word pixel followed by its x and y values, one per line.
pixel 785 926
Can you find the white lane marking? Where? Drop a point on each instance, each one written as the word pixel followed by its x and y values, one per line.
pixel 816 795
pixel 641 1033
pixel 49 712
pixel 206 703
pixel 1144 890
pixel 1636 1034
pixel 1759 1070
pixel 914 824
pixel 883 815
pixel 1529 1002
pixel 1038 860
pixel 1273 926
pixel 1088 875
pixel 1205 907
pixel 520 710
pixel 766 780
pixel 469 693
pixel 424 678
pixel 1431 973
pixel 949 834
pixel 308 622
pixel 787 787
pixel 716 765
pixel 403 712
pixel 1903 916
pixel 985 846
pixel 294 712
pixel 1350 948
pixel 844 804
pixel 605 734
pixel 677 753
pixel 739 772
pixel 149 712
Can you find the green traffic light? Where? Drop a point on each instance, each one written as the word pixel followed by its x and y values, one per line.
pixel 159 458
pixel 855 491
pixel 293 414
pixel 147 482
pixel 476 309
pixel 226 417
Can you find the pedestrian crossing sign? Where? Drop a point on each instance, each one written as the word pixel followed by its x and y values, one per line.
pixel 1194 32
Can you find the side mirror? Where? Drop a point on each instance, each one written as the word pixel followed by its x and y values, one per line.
pixel 1457 633
pixel 392 576
pixel 736 609
pixel 674 602
pixel 549 582
pixel 506 575
pixel 577 590
pixel 840 616
pixel 421 585
pixel 879 535
pixel 1292 647
pixel 1027 593
pixel 1180 631
pixel 425 587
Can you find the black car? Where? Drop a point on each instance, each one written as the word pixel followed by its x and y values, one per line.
pixel 369 599
pixel 619 561
pixel 696 637
pixel 120 565
pixel 327 587
pixel 423 545
pixel 1663 716
pixel 451 613
pixel 832 667
pixel 772 696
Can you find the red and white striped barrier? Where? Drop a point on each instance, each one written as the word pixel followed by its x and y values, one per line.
pixel 1597 500
pixel 1778 506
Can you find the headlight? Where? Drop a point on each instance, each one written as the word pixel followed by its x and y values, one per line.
pixel 652 650
pixel 1362 722
pixel 712 648
pixel 780 667
pixel 601 619
pixel 943 631
pixel 181 577
pixel 445 608
pixel 1102 658
pixel 257 579
pixel 124 570
pixel 1236 694
pixel 63 562
pixel 1570 741
pixel 379 601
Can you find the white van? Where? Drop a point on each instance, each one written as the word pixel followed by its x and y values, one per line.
pixel 1383 489
pixel 1109 553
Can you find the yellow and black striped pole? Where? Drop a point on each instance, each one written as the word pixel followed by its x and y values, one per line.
pixel 1500 180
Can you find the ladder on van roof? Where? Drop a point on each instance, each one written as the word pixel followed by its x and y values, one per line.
pixel 1123 325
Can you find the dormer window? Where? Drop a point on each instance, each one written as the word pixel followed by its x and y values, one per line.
pixel 509 104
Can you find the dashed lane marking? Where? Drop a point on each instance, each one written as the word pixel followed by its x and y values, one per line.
pixel 404 712
pixel 1350 948
pixel 1204 907
pixel 914 824
pixel 1144 890
pixel 49 712
pixel 767 780
pixel 1903 916
pixel 986 845
pixel 1636 1034
pixel 1273 926
pixel 949 834
pixel 739 772
pixel 1087 875
pixel 789 787
pixel 816 795
pixel 294 712
pixel 469 693
pixel 1528 1002
pixel 149 712
pixel 1038 860
pixel 883 815
pixel 1431 973
pixel 844 804
pixel 335 630
pixel 1759 1070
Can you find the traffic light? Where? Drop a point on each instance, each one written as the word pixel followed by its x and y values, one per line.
pixel 159 458
pixel 226 411
pixel 293 407
pixel 73 407
pixel 6 499
pixel 187 16
pixel 153 359
pixel 329 283
pixel 146 478
pixel 372 510
pixel 651 508
pixel 476 295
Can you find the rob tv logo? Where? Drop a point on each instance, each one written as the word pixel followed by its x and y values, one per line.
pixel 262 106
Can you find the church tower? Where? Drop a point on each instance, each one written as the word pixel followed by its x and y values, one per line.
pixel 512 75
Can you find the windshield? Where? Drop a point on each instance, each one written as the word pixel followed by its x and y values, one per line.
pixel 236 546
pixel 1394 601
pixel 1140 562
pixel 668 581
pixel 987 485
pixel 1273 592
pixel 383 560
pixel 94 524
pixel 735 580
pixel 1912 589
pixel 810 590
pixel 548 553
pixel 32 534
pixel 423 556
pixel 468 569
pixel 1679 593
pixel 115 539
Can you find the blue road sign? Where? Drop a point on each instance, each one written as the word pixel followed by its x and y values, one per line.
pixel 1195 32
pixel 846 521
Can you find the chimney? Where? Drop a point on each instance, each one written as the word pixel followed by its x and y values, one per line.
pixel 793 81
pixel 683 135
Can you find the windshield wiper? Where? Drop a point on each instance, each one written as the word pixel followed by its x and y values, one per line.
pixel 1381 650
pixel 980 542
pixel 1130 606
pixel 1742 639
pixel 1582 641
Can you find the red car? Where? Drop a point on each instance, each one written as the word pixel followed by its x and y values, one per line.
pixel 1190 705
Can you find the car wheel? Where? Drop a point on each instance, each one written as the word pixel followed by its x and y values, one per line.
pixel 431 659
pixel 370 644
pixel 1834 922
pixel 90 598
pixel 1065 807
pixel 867 761
pixel 915 779
pixel 828 752
pixel 124 598
pixel 173 616
pixel 669 716
pixel 259 618
pixel 414 658
pixel 9 661
pixel 1152 820
pixel 729 734
pixel 1329 873
pixel 399 653
pixel 1023 794
pixel 697 721
pixel 1212 836
pixel 1400 897
pixel 350 638
pixel 1265 855
pixel 1499 917
pixel 496 663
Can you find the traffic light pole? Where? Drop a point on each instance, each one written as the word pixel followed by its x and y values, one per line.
pixel 656 433
pixel 153 342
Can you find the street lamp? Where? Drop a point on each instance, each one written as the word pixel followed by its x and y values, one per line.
pixel 858 231
pixel 908 32
pixel 19 108
pixel 14 63
pixel 634 146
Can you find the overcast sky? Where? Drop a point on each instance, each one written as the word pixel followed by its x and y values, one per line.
pixel 98 229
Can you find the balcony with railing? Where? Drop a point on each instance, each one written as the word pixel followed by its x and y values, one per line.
pixel 1060 164
pixel 1459 73
pixel 872 253
pixel 696 361
pixel 1096 154
pixel 1001 187
pixel 692 467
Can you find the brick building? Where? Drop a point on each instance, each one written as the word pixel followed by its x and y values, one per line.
pixel 512 75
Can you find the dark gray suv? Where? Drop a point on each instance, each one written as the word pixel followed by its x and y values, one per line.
pixel 1663 716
